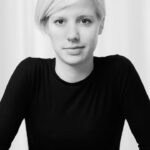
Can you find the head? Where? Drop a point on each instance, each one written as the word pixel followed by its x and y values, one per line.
pixel 71 23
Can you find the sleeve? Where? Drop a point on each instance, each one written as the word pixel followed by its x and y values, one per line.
pixel 13 104
pixel 135 104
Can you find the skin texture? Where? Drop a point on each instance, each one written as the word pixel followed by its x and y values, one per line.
pixel 76 25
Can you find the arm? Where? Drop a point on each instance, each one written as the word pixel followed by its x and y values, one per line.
pixel 13 104
pixel 135 105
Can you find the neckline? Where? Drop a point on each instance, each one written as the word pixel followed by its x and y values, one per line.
pixel 81 82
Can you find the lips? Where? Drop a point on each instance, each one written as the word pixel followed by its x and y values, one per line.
pixel 74 51
pixel 76 47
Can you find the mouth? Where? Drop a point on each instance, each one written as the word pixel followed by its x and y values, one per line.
pixel 76 47
pixel 77 50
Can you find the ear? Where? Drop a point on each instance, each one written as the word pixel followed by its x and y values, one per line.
pixel 46 29
pixel 101 25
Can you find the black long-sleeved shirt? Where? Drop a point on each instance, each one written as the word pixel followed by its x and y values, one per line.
pixel 87 114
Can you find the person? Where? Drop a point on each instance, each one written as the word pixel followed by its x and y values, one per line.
pixel 75 100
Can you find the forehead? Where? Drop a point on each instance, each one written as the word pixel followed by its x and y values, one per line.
pixel 79 7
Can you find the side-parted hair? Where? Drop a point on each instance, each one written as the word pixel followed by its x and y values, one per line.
pixel 45 8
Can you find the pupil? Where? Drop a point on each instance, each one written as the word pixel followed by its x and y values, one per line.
pixel 84 20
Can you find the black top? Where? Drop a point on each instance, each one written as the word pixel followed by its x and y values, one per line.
pixel 72 116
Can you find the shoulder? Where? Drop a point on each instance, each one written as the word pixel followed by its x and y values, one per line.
pixel 29 61
pixel 113 59
pixel 34 63
pixel 32 67
pixel 123 67
pixel 114 62
pixel 124 64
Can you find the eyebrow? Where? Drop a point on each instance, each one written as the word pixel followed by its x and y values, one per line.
pixel 82 16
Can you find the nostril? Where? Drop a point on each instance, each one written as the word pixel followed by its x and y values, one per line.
pixel 73 34
pixel 74 39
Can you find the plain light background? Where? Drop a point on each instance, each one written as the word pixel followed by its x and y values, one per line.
pixel 126 32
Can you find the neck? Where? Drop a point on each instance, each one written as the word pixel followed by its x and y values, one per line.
pixel 74 73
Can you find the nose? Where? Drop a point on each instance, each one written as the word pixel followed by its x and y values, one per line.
pixel 73 34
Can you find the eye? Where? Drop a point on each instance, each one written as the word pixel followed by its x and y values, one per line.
pixel 59 21
pixel 86 21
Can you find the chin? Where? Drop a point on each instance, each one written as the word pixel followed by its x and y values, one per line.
pixel 73 60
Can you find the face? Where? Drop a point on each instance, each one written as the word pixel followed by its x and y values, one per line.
pixel 74 32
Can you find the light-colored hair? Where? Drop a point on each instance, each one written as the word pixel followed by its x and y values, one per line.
pixel 45 8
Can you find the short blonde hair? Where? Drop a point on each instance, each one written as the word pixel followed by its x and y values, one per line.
pixel 45 8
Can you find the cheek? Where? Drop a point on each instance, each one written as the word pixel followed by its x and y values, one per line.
pixel 90 35
pixel 56 40
pixel 55 34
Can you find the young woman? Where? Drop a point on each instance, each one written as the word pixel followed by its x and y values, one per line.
pixel 75 100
